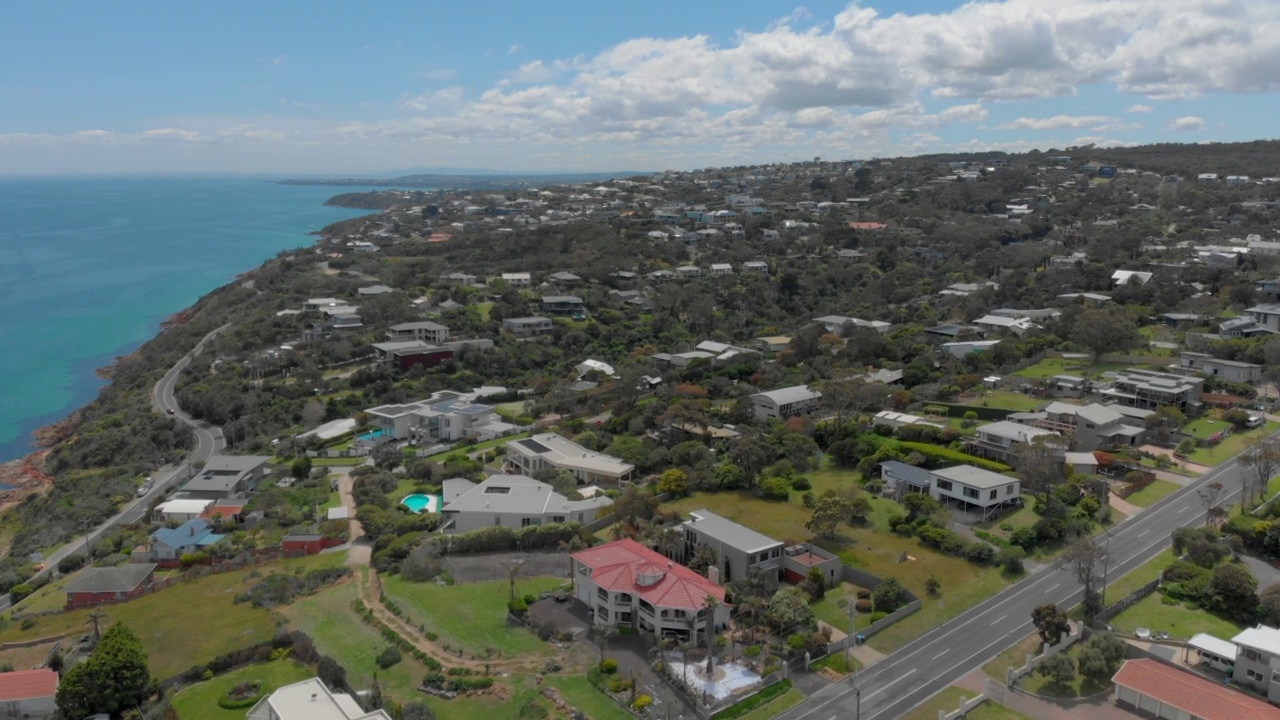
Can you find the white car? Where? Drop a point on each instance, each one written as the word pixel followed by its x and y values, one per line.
pixel 1254 421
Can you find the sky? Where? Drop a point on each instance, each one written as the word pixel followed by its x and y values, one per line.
pixel 345 88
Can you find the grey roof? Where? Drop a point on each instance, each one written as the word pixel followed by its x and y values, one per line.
pixel 235 463
pixel 572 299
pixel 910 474
pixel 536 319
pixel 422 325
pixel 973 477
pixel 518 494
pixel 787 395
pixel 1014 431
pixel 728 532
pixel 122 579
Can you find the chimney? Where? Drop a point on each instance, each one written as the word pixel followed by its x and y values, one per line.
pixel 713 574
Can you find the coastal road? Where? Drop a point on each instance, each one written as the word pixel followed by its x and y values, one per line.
pixel 921 668
pixel 208 441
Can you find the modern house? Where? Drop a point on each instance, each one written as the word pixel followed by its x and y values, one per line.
pixel 786 403
pixel 517 279
pixel 425 331
pixel 1126 277
pixel 563 305
pixel 1090 427
pixel 98 586
pixel 168 545
pixel 1229 370
pixel 446 416
pixel 975 487
pixel 182 509
pixel 564 279
pixel 227 476
pixel 513 501
pixel 738 550
pixel 1002 324
pixel 626 584
pixel 759 266
pixel 837 324
pixel 1158 690
pixel 1258 660
pixel 525 327
pixel 898 419
pixel 960 349
pixel 999 440
pixel 28 693
pixel 405 354
pixel 901 478
pixel 1266 315
pixel 311 700
pixel 549 451
pixel 1151 389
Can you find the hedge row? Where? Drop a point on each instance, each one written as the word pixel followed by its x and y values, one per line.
pixel 769 693
pixel 500 537
pixel 394 637
pixel 942 455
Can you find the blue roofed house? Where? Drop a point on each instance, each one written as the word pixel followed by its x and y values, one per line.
pixel 168 545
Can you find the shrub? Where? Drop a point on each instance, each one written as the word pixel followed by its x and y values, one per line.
pixel 608 666
pixel 733 712
pixel 801 482
pixel 887 596
pixel 877 616
pixel 980 553
pixel 862 605
pixel 1024 537
pixel 517 606
pixel 642 702
pixel 619 685
pixel 774 488
pixel 388 657
pixel 940 455
pixel 751 651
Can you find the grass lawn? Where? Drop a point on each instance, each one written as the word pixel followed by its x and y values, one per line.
pixel 328 618
pixel 998 667
pixel 1079 687
pixel 949 699
pixel 1180 621
pixel 200 701
pixel 579 693
pixel 338 461
pixel 831 611
pixel 471 616
pixel 1232 445
pixel 484 308
pixel 1006 400
pixel 776 706
pixel 468 449
pixel 1152 493
pixel 1066 366
pixel 1145 573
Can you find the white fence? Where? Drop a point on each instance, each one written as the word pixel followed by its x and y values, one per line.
pixel 1046 651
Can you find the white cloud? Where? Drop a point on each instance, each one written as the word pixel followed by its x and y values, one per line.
pixel 515 49
pixel 1189 123
pixel 1057 122
pixel 1139 109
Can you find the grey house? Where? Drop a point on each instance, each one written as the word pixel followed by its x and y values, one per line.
pixel 513 501
pixel 1229 370
pixel 1258 661
pixel 786 403
pixel 739 549
pixel 527 326
pixel 901 478
pixel 227 476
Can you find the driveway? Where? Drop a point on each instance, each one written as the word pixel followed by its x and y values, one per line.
pixel 1266 573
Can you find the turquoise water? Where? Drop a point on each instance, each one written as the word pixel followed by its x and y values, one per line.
pixel 89 267
pixel 418 502
pixel 372 435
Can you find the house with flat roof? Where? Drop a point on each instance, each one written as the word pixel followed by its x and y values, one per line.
pixel 517 279
pixel 549 451
pixel 1229 370
pixel 182 509
pixel 28 693
pixel 98 586
pixel 446 416
pixel 227 476
pixel 1258 661
pixel 999 440
pixel 1091 427
pixel 900 478
pixel 311 700
pixel 960 349
pixel 524 327
pixel 404 354
pixel 837 324
pixel 425 331
pixel 1156 689
pixel 738 550
pixel 563 305
pixel 1152 389
pixel 786 403
pixel 513 501
pixel 897 419
pixel 625 584
pixel 975 487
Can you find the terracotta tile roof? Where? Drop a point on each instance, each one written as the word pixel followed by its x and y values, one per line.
pixel 28 684
pixel 628 566
pixel 1191 693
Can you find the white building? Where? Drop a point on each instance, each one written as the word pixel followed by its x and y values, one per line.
pixel 424 331
pixel 311 700
pixel 182 509
pixel 974 487
pixel 518 279
pixel 446 416
pixel 549 451
pixel 513 501
pixel 28 693
pixel 786 403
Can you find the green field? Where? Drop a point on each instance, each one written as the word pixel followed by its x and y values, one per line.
pixel 1180 621
pixel 471 616
pixel 830 608
pixel 1228 447
pixel 1049 367
pixel 1148 571
pixel 949 699
pixel 578 692
pixel 1152 493
pixel 777 706
pixel 200 701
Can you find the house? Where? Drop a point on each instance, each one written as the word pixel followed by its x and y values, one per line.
pixel 625 584
pixel 227 476
pixel 1164 691
pixel 318 304
pixel 424 331
pixel 298 544
pixel 975 487
pixel 551 451
pixel 408 353
pixel 513 501
pixel 517 279
pixel 374 290
pixel 737 547
pixel 181 509
pixel 445 416
pixel 967 289
pixel 759 266
pixel 1090 427
pixel 786 403
pixel 999 440
pixel 563 305
pixel 1151 389
pixel 168 545
pixel 1229 370
pixel 721 269
pixel 898 419
pixel 901 478
pixel 1243 326
pixel 1266 315
pixel 458 278
pixel 773 343
pixel 960 349
pixel 28 693
pixel 525 327
pixel 1268 287
pixel 1258 659
pixel 1081 463
pixel 1125 277
pixel 564 279
pixel 311 700
pixel 589 365
pixel 850 254
pixel 689 272
pixel 1181 321
pixel 98 586
pixel 837 324
pixel 999 323
pixel 1207 177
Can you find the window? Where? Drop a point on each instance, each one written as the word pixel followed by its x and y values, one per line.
pixel 602 613
pixel 497 490
pixel 971 493
pixel 557 518
pixel 602 594
pixel 526 522
pixel 944 484
pixel 993 495
pixel 1009 490
pixel 1256 676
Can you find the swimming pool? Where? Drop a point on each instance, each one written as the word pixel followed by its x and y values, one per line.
pixel 372 435
pixel 419 503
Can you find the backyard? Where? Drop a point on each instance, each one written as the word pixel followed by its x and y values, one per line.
pixel 1079 687
pixel 1179 620
pixel 201 699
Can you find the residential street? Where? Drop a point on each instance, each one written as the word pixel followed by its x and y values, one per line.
pixel 921 668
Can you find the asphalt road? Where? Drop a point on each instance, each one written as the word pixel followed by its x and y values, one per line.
pixel 918 670
pixel 208 441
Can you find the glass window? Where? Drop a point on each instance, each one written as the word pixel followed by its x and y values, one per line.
pixel 944 484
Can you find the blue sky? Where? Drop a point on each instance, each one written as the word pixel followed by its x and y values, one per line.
pixel 292 87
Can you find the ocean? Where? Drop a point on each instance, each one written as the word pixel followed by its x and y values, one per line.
pixel 90 266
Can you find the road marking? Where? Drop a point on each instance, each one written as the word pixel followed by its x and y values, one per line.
pixel 891 683
pixel 1055 587
pixel 944 652
pixel 1184 509
pixel 1144 532
pixel 999 619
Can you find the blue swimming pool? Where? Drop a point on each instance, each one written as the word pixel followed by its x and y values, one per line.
pixel 419 503
pixel 372 435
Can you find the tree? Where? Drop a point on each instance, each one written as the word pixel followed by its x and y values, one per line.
pixel 709 629
pixel 1040 462
pixel 752 454
pixel 729 477
pixel 1105 328
pixel 789 608
pixel 1163 423
pixel 1261 463
pixel 815 583
pixel 1209 495
pixel 1101 656
pixel 514 569
pixel 1269 605
pixel 1051 623
pixel 301 467
pixel 704 558
pixel 887 596
pixel 1233 591
pixel 634 504
pixel 113 679
pixel 1086 562
pixel 387 456
pixel 1058 669
pixel 673 482
pixel 828 512
pixel 94 619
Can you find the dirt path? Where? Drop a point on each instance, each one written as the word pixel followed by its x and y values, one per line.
pixel 359 551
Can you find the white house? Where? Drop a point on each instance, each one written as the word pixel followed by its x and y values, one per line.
pixel 898 419
pixel 424 331
pixel 311 700
pixel 445 416
pixel 513 501
pixel 517 279
pixel 551 451
pixel 182 509
pixel 960 349
pixel 786 402
pixel 837 323
pixel 28 693
pixel 998 440
pixel 975 487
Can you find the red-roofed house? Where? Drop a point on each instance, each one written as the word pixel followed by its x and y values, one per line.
pixel 28 693
pixel 625 583
pixel 1167 692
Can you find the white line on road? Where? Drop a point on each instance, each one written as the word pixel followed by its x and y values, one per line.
pixel 891 683
pixel 1144 532
pixel 999 619
pixel 1055 587
pixel 1182 510
pixel 944 652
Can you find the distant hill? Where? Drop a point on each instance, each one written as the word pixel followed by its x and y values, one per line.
pixel 499 181
pixel 1257 159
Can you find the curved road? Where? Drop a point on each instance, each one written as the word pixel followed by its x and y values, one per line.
pixel 921 668
pixel 208 441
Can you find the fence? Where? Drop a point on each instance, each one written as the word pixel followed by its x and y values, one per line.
pixel 966 706
pixel 605 521
pixel 1127 601
pixel 1046 651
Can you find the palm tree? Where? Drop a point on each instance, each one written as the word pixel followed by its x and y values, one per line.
pixel 751 610
pixel 685 647
pixel 513 568
pixel 709 626
pixel 96 617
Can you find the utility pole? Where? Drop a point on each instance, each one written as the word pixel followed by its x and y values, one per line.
pixel 88 549
pixel 853 608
